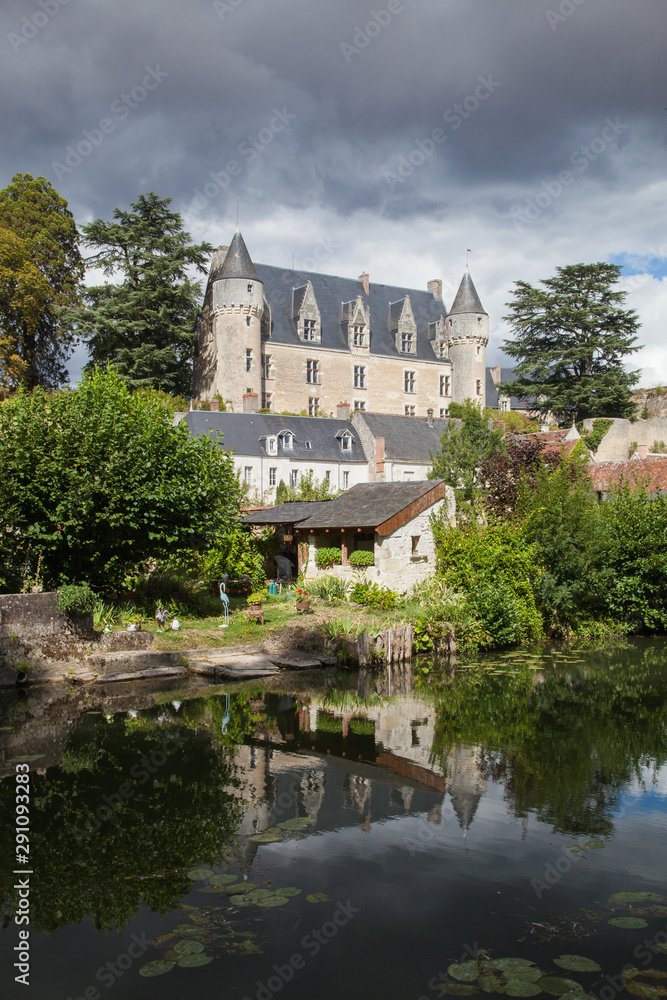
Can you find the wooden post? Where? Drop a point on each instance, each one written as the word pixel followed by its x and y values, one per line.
pixel 344 559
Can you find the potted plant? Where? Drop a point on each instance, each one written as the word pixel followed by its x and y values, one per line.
pixel 255 600
pixel 302 600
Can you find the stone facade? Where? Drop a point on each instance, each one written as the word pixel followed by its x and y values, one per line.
pixel 304 342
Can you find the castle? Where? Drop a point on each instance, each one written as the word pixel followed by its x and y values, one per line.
pixel 281 339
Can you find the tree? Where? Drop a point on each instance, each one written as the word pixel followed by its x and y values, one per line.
pixel 143 326
pixel 308 488
pixel 570 342
pixel 41 240
pixel 464 447
pixel 95 481
pixel 504 474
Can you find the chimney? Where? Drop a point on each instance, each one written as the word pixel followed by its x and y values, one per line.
pixel 343 411
pixel 435 288
pixel 365 280
pixel 642 451
pixel 379 457
pixel 429 418
pixel 495 374
pixel 215 406
pixel 250 402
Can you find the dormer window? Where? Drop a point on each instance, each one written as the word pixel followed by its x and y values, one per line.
pixel 286 439
pixel 402 325
pixel 306 313
pixel 358 336
pixel 356 323
pixel 407 343
pixel 272 445
pixel 346 440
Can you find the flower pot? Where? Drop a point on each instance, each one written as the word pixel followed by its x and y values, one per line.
pixel 254 607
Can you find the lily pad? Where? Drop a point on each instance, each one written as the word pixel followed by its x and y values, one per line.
pixel 645 991
pixel 195 961
pixel 157 968
pixel 224 878
pixel 576 849
pixel 289 890
pixel 577 963
pixel 527 973
pixel 459 990
pixel 465 971
pixel 637 897
pixel 628 922
pixel 275 900
pixel 522 988
pixel 265 838
pixel 213 888
pixel 490 984
pixel 317 897
pixel 197 873
pixel 240 901
pixel 187 930
pixel 188 947
pixel 594 845
pixel 511 964
pixel 558 986
pixel 662 948
pixel 297 823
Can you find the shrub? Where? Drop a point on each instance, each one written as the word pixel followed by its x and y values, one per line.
pixel 76 599
pixel 256 598
pixel 362 558
pixel 372 595
pixel 325 558
pixel 330 588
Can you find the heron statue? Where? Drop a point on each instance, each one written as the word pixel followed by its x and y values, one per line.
pixel 225 603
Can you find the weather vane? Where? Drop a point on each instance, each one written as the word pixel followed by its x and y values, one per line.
pixel 468 252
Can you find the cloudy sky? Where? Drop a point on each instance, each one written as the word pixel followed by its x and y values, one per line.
pixel 388 137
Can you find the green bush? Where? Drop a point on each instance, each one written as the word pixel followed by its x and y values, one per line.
pixel 76 599
pixel 258 597
pixel 362 557
pixel 325 558
pixel 372 595
pixel 327 723
pixel 362 727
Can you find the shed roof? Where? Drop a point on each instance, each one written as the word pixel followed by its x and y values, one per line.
pixel 370 505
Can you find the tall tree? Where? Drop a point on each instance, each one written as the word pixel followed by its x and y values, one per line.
pixel 464 447
pixel 571 339
pixel 46 250
pixel 144 324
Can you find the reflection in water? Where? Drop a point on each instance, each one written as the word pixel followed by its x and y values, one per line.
pixel 406 758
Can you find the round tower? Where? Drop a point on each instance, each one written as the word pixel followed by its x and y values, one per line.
pixel 238 306
pixel 467 329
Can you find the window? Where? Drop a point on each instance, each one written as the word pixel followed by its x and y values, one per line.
pixel 504 405
pixel 360 404
pixel 313 409
pixel 267 371
pixel 443 350
pixel 408 476
pixel 415 544
pixel 249 287
pixel 248 359
pixel 312 371
pixel 445 381
pixel 407 343
pixel 267 400
pixel 359 376
pixel 478 387
pixel 294 478
pixel 444 412
pixel 358 336
pixel 479 351
pixel 247 474
pixel 327 476
pixel 247 321
pixel 310 329
pixel 408 381
pixel 271 446
pixel 272 476
pixel 287 440
pixel 346 480
pixel 346 442
pixel 308 445
pixel 409 411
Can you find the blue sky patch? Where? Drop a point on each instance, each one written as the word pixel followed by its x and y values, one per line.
pixel 634 264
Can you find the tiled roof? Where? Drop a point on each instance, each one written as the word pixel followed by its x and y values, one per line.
pixel 368 505
pixel 246 433
pixel 237 263
pixel 651 470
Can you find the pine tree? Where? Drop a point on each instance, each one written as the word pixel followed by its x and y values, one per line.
pixel 40 242
pixel 571 339
pixel 143 326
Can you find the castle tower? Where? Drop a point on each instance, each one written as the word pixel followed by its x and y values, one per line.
pixel 231 337
pixel 467 329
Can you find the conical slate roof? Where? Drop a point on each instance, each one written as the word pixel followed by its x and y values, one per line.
pixel 467 299
pixel 238 263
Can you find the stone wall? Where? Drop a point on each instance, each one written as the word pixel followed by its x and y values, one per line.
pixel 615 445
pixel 26 616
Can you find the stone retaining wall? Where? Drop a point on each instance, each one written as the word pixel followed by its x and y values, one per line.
pixel 26 616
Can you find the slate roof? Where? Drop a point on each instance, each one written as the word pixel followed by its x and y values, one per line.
pixel 368 505
pixel 493 391
pixel 652 470
pixel 467 299
pixel 243 434
pixel 238 263
pixel 330 292
pixel 286 513
pixel 407 439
